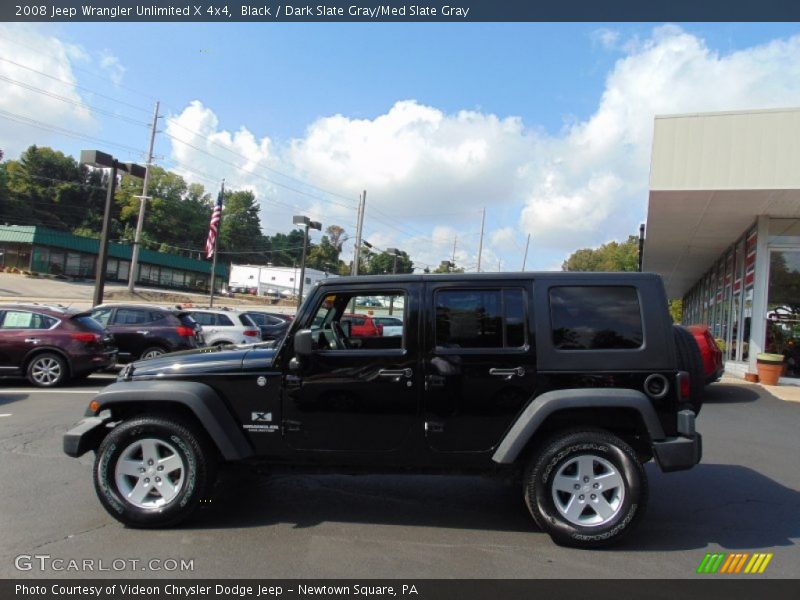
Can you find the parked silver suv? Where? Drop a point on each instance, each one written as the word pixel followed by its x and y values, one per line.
pixel 223 326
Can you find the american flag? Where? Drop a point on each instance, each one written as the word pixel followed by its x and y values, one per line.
pixel 213 226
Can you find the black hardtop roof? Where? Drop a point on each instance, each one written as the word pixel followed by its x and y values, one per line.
pixel 572 276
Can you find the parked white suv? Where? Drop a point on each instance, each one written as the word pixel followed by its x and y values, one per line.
pixel 222 326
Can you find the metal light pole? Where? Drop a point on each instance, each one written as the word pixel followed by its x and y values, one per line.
pixel 396 253
pixel 307 224
pixel 95 158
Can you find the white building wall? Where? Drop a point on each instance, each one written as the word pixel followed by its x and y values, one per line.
pixel 282 280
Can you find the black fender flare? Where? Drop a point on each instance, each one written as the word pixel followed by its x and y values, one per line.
pixel 524 428
pixel 199 398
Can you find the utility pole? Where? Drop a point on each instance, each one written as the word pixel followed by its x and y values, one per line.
pixel 137 240
pixel 480 245
pixel 362 205
pixel 525 259
pixel 455 241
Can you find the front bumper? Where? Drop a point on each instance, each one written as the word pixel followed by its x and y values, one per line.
pixel 681 452
pixel 85 436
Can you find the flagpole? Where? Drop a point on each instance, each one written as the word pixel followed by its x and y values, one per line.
pixel 216 242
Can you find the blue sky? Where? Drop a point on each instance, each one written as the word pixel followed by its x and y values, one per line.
pixel 557 128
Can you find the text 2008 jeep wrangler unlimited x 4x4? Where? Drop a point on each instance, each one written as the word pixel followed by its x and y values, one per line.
pixel 570 381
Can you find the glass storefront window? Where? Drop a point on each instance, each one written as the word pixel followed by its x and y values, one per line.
pixel 124 270
pixel 784 232
pixel 783 308
pixel 56 262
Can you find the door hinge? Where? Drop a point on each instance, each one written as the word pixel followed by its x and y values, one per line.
pixel 291 426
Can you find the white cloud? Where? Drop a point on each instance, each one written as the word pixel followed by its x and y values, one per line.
pixel 581 187
pixel 20 103
pixel 112 66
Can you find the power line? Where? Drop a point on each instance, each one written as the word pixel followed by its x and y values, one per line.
pixel 63 131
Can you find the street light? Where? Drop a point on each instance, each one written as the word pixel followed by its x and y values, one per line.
pixel 95 158
pixel 307 224
pixel 396 253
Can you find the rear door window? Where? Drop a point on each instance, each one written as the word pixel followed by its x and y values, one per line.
pixel 223 320
pixel 131 316
pixel 480 318
pixel 596 318
pixel 205 319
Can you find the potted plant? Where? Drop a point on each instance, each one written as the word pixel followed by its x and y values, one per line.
pixel 770 367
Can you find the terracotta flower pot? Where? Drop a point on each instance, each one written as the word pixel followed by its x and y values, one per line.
pixel 751 377
pixel 770 368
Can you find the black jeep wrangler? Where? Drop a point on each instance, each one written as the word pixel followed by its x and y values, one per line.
pixel 569 382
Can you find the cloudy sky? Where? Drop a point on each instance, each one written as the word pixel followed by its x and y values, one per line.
pixel 548 127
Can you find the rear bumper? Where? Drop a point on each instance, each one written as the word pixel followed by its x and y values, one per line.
pixel 681 452
pixel 85 436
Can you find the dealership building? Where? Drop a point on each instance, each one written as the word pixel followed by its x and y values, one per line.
pixel 723 228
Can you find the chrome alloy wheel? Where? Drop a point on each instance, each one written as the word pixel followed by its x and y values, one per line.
pixel 152 353
pixel 46 370
pixel 588 490
pixel 149 473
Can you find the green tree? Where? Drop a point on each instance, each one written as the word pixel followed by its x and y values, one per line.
pixel 444 267
pixel 46 187
pixel 613 256
pixel 241 223
pixel 383 263
pixel 676 310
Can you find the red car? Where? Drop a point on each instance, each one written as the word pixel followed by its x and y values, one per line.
pixel 713 366
pixel 50 344
pixel 362 325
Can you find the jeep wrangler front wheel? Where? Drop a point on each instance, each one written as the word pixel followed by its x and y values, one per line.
pixel 152 472
pixel 586 488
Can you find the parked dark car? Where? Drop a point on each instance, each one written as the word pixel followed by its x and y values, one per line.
pixel 142 331
pixel 273 326
pixel 51 345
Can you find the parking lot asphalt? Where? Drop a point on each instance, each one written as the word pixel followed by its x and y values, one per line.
pixel 743 497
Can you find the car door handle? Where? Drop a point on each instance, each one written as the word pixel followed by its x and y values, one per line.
pixel 145 332
pixel 508 373
pixel 407 373
pixel 32 340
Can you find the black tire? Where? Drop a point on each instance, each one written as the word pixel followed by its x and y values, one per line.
pixel 153 350
pixel 690 360
pixel 560 453
pixel 198 458
pixel 50 363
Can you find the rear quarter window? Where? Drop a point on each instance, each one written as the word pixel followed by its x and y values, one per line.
pixel 596 318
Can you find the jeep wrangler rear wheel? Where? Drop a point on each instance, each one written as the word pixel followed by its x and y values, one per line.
pixel 586 488
pixel 152 472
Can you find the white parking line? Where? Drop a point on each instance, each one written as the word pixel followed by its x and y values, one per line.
pixel 5 415
pixel 39 391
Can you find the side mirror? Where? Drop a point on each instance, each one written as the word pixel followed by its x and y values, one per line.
pixel 303 342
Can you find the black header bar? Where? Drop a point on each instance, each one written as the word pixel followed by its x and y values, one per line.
pixel 459 11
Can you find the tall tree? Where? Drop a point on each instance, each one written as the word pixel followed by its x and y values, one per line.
pixel 613 256
pixel 241 224
pixel 46 187
pixel 383 263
